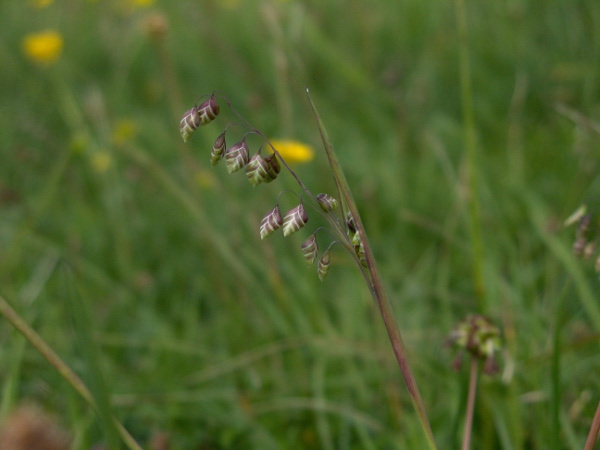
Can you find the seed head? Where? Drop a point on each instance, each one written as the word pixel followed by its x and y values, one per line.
pixel 478 336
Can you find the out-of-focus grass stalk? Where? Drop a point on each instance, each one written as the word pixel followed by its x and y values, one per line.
pixel 272 15
pixel 375 283
pixel 594 430
pixel 471 156
pixel 470 404
pixel 61 367
pixel 556 370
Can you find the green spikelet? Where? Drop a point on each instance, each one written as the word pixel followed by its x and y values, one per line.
pixel 327 202
pixel 273 167
pixel 237 156
pixel 256 170
pixel 310 249
pixel 323 265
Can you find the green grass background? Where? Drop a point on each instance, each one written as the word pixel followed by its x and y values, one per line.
pixel 204 332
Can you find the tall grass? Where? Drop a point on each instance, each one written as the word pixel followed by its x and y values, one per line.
pixel 225 341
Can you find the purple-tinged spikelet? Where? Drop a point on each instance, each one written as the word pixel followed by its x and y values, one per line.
pixel 197 116
pixel 327 202
pixel 237 156
pixel 256 170
pixel 273 167
pixel 294 219
pixel 323 265
pixel 208 110
pixel 217 150
pixel 271 222
pixel 351 226
pixel 310 249
pixel 189 122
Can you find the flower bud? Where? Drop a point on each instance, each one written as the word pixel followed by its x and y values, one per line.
pixel 310 249
pixel 256 170
pixel 217 150
pixel 478 336
pixel 271 222
pixel 294 219
pixel 327 202
pixel 237 156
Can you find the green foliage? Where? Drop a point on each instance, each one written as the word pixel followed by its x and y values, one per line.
pixel 225 341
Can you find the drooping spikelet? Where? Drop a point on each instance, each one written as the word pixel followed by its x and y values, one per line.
pixel 294 219
pixel 350 225
pixel 256 170
pixel 271 222
pixel 218 148
pixel 310 249
pixel 327 202
pixel 273 167
pixel 237 156
pixel 208 110
pixel 197 116
pixel 323 265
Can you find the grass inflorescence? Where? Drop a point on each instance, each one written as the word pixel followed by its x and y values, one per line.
pixel 468 133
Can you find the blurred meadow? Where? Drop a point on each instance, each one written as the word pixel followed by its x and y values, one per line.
pixel 142 266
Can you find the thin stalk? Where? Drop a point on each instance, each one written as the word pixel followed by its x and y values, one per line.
pixel 376 284
pixel 471 156
pixel 470 404
pixel 61 367
pixel 594 430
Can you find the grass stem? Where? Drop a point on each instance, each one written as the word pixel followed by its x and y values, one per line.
pixel 470 404
pixel 61 367
pixel 471 156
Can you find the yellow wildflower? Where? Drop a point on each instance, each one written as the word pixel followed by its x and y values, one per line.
pixel 41 3
pixel 204 178
pixel 123 131
pixel 293 151
pixel 141 3
pixel 101 161
pixel 44 47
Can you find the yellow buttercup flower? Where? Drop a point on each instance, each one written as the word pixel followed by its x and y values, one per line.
pixel 101 161
pixel 204 178
pixel 123 131
pixel 44 47
pixel 141 3
pixel 293 151
pixel 42 3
